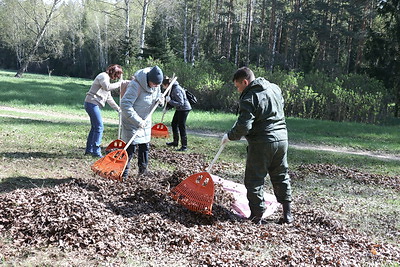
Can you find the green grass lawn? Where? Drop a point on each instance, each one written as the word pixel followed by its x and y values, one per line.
pixel 52 96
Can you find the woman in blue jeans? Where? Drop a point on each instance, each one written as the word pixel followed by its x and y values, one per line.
pixel 96 98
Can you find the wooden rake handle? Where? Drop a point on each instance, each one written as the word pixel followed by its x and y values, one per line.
pixel 119 113
pixel 169 93
pixel 216 157
pixel 151 112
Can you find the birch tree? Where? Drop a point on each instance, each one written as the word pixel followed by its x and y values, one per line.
pixel 250 5
pixel 145 9
pixel 196 32
pixel 127 12
pixel 38 17
pixel 185 32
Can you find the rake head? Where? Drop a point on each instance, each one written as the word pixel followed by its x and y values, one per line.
pixel 195 193
pixel 112 165
pixel 159 130
pixel 114 145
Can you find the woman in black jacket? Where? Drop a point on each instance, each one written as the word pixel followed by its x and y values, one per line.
pixel 178 99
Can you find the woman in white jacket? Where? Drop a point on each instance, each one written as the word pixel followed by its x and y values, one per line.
pixel 96 98
pixel 141 95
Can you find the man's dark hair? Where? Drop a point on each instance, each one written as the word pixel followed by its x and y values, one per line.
pixel 166 81
pixel 243 73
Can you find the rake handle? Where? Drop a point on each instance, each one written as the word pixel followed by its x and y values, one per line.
pixel 216 157
pixel 151 112
pixel 119 113
pixel 169 93
pixel 162 117
pixel 119 125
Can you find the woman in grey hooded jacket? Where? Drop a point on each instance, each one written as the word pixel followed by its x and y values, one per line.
pixel 141 95
pixel 182 106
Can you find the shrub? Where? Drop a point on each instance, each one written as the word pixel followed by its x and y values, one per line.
pixel 352 97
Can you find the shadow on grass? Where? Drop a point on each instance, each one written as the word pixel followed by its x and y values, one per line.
pixel 76 153
pixel 23 182
pixel 45 123
pixel 28 155
pixel 39 122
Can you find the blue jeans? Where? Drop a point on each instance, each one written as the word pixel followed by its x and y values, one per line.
pixel 96 131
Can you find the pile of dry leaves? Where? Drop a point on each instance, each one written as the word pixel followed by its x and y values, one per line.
pixel 102 218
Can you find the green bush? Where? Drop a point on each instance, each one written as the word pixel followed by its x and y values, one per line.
pixel 352 97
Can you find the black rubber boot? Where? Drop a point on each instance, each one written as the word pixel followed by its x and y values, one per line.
pixel 256 216
pixel 174 143
pixel 287 214
pixel 142 171
pixel 184 143
pixel 256 219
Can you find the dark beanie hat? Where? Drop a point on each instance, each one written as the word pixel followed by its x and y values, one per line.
pixel 155 75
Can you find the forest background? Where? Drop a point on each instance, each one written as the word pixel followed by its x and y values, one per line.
pixel 336 60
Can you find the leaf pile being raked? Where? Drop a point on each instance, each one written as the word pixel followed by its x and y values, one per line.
pixel 104 219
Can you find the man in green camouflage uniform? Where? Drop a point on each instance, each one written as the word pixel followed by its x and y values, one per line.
pixel 261 121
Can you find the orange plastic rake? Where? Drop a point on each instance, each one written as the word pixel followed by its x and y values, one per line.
pixel 159 130
pixel 197 191
pixel 117 143
pixel 113 165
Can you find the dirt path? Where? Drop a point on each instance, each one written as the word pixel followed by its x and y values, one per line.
pixel 54 116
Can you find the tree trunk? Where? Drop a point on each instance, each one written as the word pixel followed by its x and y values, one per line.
pixel 262 27
pixel 295 33
pixel 185 33
pixel 196 32
pixel 249 28
pixel 143 25
pixel 218 34
pixel 272 33
pixel 100 47
pixel 360 50
pixel 237 45
pixel 274 44
pixel 229 30
pixel 349 45
pixel 127 9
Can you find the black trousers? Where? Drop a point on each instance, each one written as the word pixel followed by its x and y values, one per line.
pixel 178 125
pixel 143 157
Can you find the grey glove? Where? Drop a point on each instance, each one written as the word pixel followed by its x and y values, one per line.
pixel 161 100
